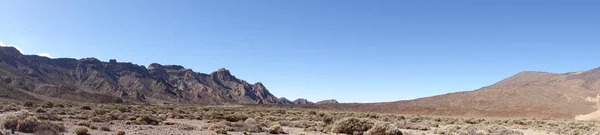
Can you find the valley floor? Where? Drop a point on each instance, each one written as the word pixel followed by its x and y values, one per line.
pixel 101 119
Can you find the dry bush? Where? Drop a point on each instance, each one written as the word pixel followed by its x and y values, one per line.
pixel 48 116
pixel 384 128
pixel 81 131
pixel 275 128
pixel 28 104
pixel 97 119
pixel 145 119
pixel 47 128
pixel 23 123
pixel 84 123
pixel 85 107
pixel 39 110
pixel 350 125
pixel 236 117
pixel 220 127
pixel 48 105
pixel 27 125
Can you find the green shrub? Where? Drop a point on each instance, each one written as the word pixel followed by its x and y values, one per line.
pixel 384 128
pixel 350 125
pixel 81 131
pixel 120 133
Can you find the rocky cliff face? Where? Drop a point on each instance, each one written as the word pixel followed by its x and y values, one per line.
pixel 92 80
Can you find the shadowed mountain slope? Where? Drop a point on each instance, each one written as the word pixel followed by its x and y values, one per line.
pixel 91 80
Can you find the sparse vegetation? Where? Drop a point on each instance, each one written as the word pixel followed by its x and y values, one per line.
pixel 275 129
pixel 81 131
pixel 384 128
pixel 239 120
pixel 352 125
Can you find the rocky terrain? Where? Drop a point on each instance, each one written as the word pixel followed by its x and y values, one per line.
pixel 84 119
pixel 32 77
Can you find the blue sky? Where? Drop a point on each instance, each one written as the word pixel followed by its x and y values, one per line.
pixel 350 50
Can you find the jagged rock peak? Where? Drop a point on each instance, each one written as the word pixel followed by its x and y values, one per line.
pixel 174 67
pixel 222 71
pixel 155 66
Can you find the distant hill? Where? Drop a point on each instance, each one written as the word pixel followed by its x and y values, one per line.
pixel 32 77
pixel 330 101
pixel 526 94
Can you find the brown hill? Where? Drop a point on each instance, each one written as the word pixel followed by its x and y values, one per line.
pixel 33 77
pixel 526 94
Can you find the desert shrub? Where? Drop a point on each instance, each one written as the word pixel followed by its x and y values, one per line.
pixel 28 104
pixel 236 117
pixel 48 105
pixel 275 128
pixel 84 123
pixel 27 125
pixel 49 116
pixel 105 128
pixel 220 127
pixel 47 128
pixel 119 108
pixel 280 111
pixel 384 128
pixel 311 112
pixel 81 131
pixel 120 133
pixel 327 119
pixel 350 125
pixel 473 121
pixel 146 119
pixel 39 110
pixel 85 107
pixel 11 123
pixel 59 105
pixel 321 114
pixel 97 119
pixel 214 115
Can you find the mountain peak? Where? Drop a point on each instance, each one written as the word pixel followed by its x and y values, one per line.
pixel 9 50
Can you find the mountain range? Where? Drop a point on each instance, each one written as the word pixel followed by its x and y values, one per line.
pixel 91 80
pixel 525 94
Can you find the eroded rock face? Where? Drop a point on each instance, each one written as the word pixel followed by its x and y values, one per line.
pixel 90 79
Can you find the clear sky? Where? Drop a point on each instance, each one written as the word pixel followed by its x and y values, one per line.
pixel 350 50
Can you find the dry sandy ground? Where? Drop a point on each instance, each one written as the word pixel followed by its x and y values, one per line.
pixel 198 127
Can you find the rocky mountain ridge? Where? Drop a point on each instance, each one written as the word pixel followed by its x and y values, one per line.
pixel 92 80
